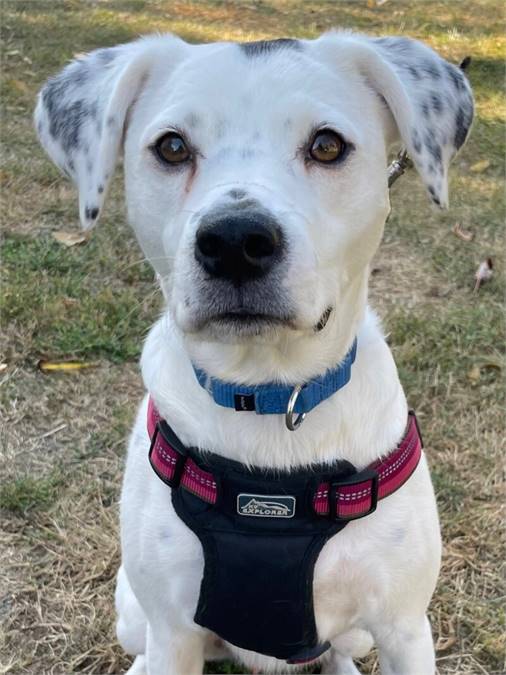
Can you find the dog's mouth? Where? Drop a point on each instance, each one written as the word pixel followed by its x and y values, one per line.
pixel 243 316
pixel 245 322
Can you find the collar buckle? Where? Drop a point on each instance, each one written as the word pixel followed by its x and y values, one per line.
pixel 354 497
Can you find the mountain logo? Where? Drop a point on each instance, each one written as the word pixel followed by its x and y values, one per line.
pixel 266 506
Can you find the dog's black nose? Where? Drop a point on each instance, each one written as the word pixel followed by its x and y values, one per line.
pixel 239 247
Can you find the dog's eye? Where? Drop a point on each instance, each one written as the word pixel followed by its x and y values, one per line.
pixel 172 149
pixel 327 146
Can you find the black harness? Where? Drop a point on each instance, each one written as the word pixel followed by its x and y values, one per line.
pixel 261 541
pixel 262 530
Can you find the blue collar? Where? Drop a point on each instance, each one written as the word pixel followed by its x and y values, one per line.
pixel 273 398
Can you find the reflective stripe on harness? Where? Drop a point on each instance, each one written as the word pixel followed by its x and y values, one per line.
pixel 350 499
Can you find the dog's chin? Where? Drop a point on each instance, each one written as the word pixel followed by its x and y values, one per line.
pixel 242 326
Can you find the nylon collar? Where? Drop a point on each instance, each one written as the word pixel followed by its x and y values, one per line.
pixel 273 398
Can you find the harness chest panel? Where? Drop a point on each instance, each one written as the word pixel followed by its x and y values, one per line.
pixel 262 530
pixel 261 541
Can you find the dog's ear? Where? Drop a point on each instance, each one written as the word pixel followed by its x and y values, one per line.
pixel 430 99
pixel 82 112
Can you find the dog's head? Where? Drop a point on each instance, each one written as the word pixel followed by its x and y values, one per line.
pixel 255 173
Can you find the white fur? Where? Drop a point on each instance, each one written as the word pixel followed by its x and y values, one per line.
pixel 248 117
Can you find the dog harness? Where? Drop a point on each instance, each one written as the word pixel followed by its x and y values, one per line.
pixel 261 531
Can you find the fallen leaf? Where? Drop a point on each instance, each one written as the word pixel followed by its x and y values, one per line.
pixel 480 166
pixel 465 235
pixel 70 238
pixel 474 374
pixel 3 367
pixel 483 273
pixel 70 302
pixel 494 363
pixel 65 366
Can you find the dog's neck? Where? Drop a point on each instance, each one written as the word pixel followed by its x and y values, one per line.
pixel 286 356
pixel 361 422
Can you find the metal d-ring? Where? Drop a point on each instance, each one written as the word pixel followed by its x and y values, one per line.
pixel 290 422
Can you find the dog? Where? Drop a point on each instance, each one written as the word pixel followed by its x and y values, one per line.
pixel 256 183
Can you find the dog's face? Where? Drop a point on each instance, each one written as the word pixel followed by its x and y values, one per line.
pixel 255 174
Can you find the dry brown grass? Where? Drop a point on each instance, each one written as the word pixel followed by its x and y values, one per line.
pixel 63 436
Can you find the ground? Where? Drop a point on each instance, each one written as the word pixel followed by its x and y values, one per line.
pixel 63 435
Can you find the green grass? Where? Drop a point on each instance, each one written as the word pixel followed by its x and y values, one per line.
pixel 96 301
pixel 84 308
pixel 28 493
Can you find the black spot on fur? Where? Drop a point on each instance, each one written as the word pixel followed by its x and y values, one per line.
pixel 398 44
pixel 462 123
pixel 100 189
pixel 433 147
pixel 434 196
pixel 456 76
pixel 437 104
pixel 106 55
pixel 65 120
pixel 237 194
pixel 414 72
pixel 78 73
pixel 91 212
pixel 431 69
pixel 94 110
pixel 417 145
pixel 425 109
pixel 264 47
pixel 66 116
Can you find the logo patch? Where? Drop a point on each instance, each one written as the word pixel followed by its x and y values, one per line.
pixel 266 506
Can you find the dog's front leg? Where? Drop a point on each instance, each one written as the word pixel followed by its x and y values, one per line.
pixel 174 652
pixel 406 648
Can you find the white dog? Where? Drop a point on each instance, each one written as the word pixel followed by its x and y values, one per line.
pixel 257 186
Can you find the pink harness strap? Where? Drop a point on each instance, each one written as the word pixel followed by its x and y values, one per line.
pixel 356 500
pixel 346 500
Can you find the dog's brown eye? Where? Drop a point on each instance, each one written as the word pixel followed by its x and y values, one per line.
pixel 327 146
pixel 172 149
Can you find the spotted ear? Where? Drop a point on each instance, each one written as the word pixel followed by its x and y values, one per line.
pixel 81 113
pixel 430 100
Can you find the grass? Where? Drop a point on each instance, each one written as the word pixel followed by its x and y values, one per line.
pixel 64 435
pixel 26 493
